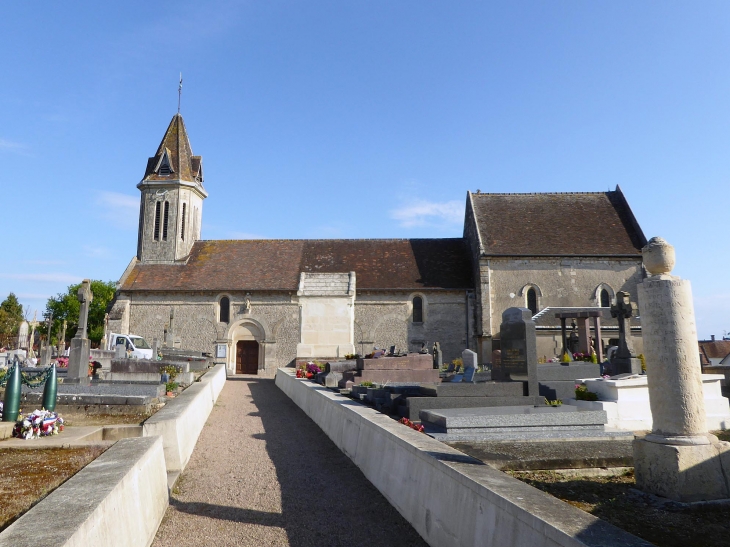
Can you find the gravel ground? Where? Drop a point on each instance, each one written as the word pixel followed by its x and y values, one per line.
pixel 263 473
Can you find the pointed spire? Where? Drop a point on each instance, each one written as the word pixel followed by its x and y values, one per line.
pixel 174 158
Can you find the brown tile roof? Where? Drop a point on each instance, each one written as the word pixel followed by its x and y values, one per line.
pixel 184 165
pixel 595 223
pixel 275 264
pixel 714 349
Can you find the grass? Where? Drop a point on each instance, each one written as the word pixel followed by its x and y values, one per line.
pixel 616 500
pixel 28 476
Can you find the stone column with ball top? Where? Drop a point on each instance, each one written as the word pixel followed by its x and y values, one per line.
pixel 680 459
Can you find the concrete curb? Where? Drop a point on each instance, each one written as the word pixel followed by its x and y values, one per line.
pixel 449 498
pixel 183 418
pixel 119 499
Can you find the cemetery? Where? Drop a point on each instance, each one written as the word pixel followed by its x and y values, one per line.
pixel 458 436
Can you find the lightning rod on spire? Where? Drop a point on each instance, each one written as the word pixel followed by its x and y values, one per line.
pixel 179 94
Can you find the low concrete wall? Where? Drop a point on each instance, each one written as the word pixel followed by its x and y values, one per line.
pixel 119 499
pixel 182 419
pixel 449 498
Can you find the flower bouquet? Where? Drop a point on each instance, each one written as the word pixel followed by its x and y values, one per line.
pixel 41 423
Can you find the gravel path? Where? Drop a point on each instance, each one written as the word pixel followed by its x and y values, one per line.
pixel 263 473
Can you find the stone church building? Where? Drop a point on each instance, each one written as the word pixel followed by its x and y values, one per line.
pixel 260 304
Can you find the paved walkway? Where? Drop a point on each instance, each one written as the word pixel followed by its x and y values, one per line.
pixel 263 473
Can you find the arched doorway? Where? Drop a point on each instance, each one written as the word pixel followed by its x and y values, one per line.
pixel 247 357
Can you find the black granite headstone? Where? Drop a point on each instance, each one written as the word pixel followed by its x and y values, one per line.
pixel 519 349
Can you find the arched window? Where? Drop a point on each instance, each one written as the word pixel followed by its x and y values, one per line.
pixel 417 309
pixel 605 299
pixel 531 298
pixel 224 315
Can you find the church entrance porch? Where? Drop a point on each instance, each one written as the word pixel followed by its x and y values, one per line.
pixel 247 357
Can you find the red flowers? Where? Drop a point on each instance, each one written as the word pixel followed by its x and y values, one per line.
pixel 409 423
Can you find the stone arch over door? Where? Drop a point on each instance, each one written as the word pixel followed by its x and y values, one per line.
pixel 245 330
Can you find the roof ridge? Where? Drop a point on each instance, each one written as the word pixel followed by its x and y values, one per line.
pixel 334 239
pixel 541 193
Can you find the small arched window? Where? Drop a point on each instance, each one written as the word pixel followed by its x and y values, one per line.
pixel 224 315
pixel 417 309
pixel 605 299
pixel 532 300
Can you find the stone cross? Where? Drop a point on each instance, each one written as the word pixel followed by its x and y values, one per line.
pixel 85 297
pixel 623 310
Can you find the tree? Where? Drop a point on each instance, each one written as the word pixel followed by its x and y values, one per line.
pixel 66 307
pixel 11 316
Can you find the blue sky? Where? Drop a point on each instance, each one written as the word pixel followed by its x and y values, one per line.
pixel 360 119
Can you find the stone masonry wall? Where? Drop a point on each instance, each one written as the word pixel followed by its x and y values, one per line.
pixel 561 282
pixel 384 319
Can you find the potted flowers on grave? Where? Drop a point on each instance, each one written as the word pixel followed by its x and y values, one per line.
pixel 170 388
pixel 312 369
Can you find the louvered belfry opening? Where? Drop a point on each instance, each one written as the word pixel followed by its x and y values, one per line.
pixel 182 227
pixel 157 221
pixel 165 218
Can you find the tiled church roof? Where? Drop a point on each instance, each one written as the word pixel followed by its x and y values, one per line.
pixel 584 224
pixel 184 165
pixel 275 264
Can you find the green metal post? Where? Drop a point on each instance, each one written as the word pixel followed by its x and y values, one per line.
pixel 11 402
pixel 50 389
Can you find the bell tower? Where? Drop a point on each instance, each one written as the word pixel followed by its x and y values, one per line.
pixel 171 204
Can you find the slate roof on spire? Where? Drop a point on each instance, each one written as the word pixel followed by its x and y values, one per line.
pixel 176 144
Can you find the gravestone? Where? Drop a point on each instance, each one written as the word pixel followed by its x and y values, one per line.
pixel 624 361
pixel 170 332
pixel 120 351
pixel 78 360
pixel 518 349
pixel 438 356
pixel 155 348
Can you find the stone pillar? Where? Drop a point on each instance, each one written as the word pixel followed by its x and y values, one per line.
pixel 78 358
pixel 679 460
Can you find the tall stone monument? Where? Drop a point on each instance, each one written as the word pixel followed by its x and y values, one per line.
pixel 679 460
pixel 23 335
pixel 625 360
pixel 78 359
pixel 518 345
pixel 62 339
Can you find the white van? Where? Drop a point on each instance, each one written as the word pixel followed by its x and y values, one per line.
pixel 139 347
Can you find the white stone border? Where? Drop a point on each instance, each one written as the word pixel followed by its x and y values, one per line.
pixel 118 500
pixel 449 498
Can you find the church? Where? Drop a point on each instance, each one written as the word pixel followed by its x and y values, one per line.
pixel 257 305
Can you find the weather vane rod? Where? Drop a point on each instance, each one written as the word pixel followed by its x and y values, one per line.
pixel 179 94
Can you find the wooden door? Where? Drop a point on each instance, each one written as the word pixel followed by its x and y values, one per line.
pixel 247 357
